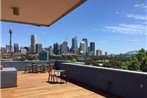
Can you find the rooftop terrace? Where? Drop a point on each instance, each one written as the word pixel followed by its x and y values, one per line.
pixel 35 85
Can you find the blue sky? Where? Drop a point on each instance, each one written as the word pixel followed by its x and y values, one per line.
pixel 116 26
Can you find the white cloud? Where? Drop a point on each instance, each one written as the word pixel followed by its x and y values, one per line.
pixel 127 29
pixel 141 6
pixel 139 17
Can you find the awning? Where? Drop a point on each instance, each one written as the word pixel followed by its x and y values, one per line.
pixel 36 12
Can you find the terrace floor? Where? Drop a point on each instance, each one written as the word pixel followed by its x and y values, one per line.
pixel 35 85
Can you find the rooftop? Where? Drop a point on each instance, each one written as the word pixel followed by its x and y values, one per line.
pixel 32 85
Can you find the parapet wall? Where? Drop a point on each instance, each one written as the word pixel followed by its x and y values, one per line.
pixel 127 84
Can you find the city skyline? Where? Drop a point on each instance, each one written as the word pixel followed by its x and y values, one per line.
pixel 115 28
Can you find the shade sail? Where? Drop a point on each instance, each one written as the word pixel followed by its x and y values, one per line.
pixel 36 12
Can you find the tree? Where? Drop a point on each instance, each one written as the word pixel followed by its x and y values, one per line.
pixel 137 62
pixel 113 63
pixel 143 66
pixel 134 64
pixel 73 60
pixel 90 62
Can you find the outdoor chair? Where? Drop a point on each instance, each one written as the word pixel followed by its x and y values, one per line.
pixel 51 75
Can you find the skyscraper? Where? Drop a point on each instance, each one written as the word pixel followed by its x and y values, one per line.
pixel 38 48
pixel 33 43
pixel 82 47
pixel 74 45
pixel 56 49
pixel 92 48
pixel 16 48
pixel 86 42
pixel 98 52
pixel 64 47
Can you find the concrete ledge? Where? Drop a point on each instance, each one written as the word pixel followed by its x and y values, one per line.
pixel 127 84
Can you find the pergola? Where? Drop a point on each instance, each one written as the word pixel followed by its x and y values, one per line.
pixel 36 12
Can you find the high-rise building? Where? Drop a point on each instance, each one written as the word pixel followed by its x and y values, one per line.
pixel 74 45
pixel 23 51
pixel 64 47
pixel 82 47
pixel 27 48
pixel 44 55
pixel 33 44
pixel 3 49
pixel 7 48
pixel 16 48
pixel 106 53
pixel 92 48
pixel 56 49
pixel 98 52
pixel 86 42
pixel 38 48
pixel 50 49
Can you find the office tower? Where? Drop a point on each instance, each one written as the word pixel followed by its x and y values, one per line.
pixel 44 55
pixel 27 48
pixel 92 48
pixel 86 42
pixel 3 50
pixel 82 47
pixel 7 48
pixel 16 48
pixel 56 49
pixel 98 52
pixel 38 48
pixel 64 47
pixel 23 51
pixel 33 44
pixel 50 49
pixel 106 53
pixel 74 45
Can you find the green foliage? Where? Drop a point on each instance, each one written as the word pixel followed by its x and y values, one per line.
pixel 124 65
pixel 113 64
pixel 134 64
pixel 138 62
pixel 90 62
pixel 73 60
pixel 23 57
pixel 143 66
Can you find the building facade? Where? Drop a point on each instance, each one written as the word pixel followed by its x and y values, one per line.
pixel 92 48
pixel 74 47
pixel 16 48
pixel 82 48
pixel 98 52
pixel 86 42
pixel 56 49
pixel 38 48
pixel 33 44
